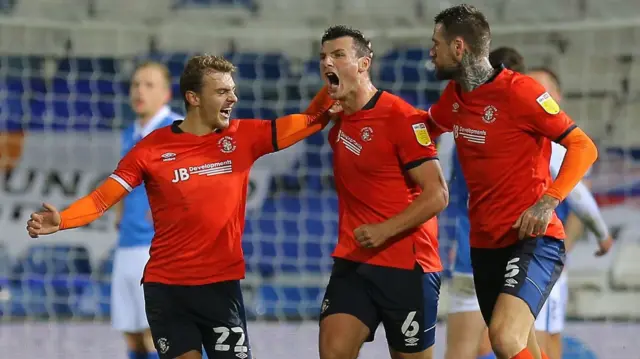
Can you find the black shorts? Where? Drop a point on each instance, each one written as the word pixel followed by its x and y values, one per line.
pixel 186 318
pixel 527 269
pixel 404 301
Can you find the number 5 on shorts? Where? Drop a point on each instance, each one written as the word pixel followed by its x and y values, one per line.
pixel 511 271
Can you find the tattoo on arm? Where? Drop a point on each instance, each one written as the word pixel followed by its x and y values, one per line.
pixel 543 209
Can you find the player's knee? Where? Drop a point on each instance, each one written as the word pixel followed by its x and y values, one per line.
pixel 335 346
pixel 148 341
pixel 136 342
pixel 337 349
pixel 461 350
pixel 505 341
pixel 341 336
pixel 426 354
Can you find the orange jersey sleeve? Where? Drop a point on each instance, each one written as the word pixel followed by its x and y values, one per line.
pixel 536 111
pixel 128 174
pixel 275 135
pixel 437 119
pixel 87 209
pixel 413 142
pixel 581 154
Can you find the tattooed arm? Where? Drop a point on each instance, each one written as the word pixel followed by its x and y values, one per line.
pixel 536 219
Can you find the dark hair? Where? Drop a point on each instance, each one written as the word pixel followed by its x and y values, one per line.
pixel 469 23
pixel 509 57
pixel 549 72
pixel 196 68
pixel 361 44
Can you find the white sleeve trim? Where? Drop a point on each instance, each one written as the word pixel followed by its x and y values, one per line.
pixel 436 122
pixel 446 145
pixel 122 182
pixel 582 202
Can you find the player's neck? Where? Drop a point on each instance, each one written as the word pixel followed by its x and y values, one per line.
pixel 144 119
pixel 356 100
pixel 475 72
pixel 194 125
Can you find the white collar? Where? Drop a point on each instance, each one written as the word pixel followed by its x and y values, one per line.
pixel 152 124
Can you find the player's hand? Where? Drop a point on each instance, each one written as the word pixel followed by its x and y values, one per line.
pixel 371 235
pixel 336 108
pixel 604 247
pixel 44 222
pixel 534 221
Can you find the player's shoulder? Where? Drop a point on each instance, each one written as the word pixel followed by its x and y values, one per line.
pixel 171 118
pixel 448 95
pixel 159 135
pixel 396 106
pixel 528 95
pixel 237 126
pixel 128 130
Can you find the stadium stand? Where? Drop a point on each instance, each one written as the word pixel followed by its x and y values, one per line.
pixel 64 70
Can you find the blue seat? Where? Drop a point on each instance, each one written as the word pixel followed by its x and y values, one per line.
pixel 23 64
pixel 199 3
pixel 18 86
pixel 312 68
pixel 406 66
pixel 574 348
pixel 404 73
pixel 408 54
pixel 266 66
pixel 249 112
pixel 51 278
pixel 92 66
pixel 13 109
pixel 95 87
pixel 96 300
pixel 317 139
pixel 318 159
pixel 175 61
pixel 295 301
pixel 54 259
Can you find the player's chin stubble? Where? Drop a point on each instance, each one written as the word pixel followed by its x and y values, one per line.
pixel 447 72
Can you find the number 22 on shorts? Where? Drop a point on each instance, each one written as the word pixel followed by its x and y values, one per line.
pixel 224 335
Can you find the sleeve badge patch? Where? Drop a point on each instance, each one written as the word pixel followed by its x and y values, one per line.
pixel 421 133
pixel 549 105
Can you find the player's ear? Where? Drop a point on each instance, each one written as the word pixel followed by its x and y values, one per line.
pixel 458 46
pixel 364 63
pixel 192 98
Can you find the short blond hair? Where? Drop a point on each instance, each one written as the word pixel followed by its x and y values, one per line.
pixel 164 70
pixel 196 68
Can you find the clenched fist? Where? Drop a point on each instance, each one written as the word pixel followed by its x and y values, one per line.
pixel 371 235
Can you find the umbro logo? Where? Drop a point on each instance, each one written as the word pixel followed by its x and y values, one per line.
pixel 168 156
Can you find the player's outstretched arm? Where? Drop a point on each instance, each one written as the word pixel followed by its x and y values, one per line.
pixel 292 129
pixel 80 213
pixel 433 199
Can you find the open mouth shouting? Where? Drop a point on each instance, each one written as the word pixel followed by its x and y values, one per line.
pixel 226 112
pixel 333 81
